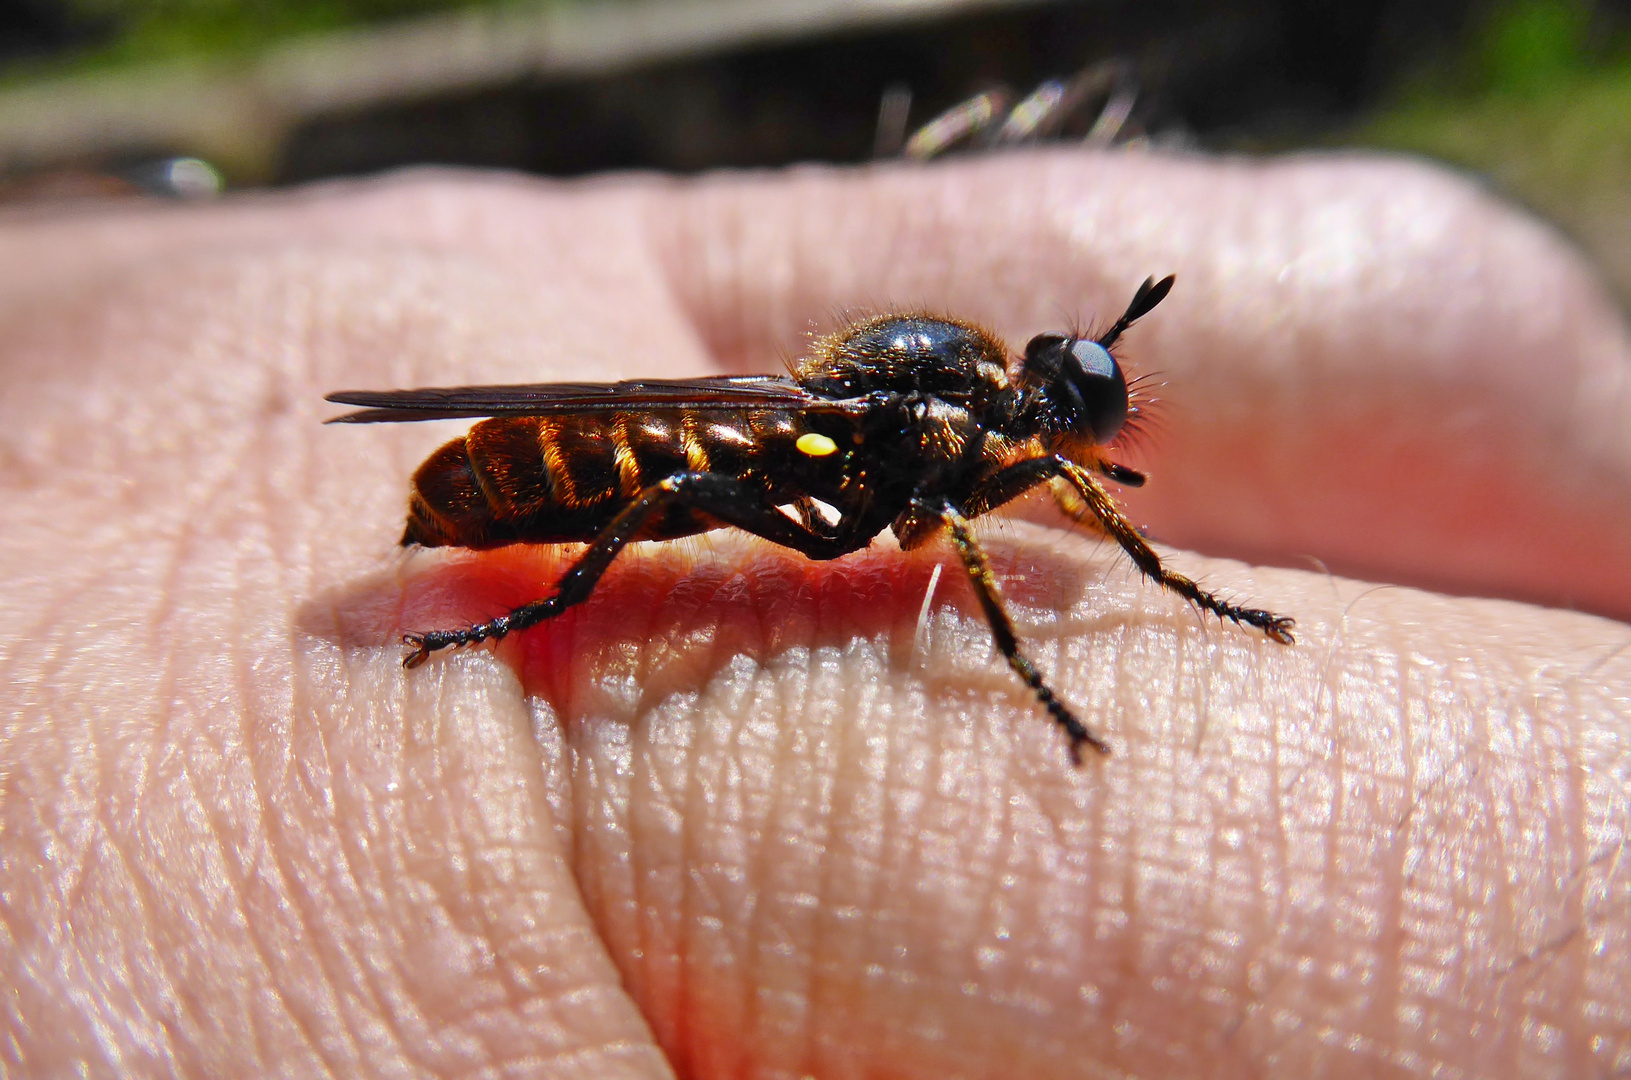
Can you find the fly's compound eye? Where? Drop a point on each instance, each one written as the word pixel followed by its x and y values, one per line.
pixel 1085 387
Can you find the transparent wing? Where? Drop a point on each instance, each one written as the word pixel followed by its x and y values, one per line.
pixel 548 399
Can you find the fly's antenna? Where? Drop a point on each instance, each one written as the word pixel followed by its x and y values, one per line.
pixel 1149 294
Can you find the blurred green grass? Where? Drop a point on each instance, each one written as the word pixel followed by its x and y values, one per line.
pixel 1539 102
pixel 115 36
pixel 148 31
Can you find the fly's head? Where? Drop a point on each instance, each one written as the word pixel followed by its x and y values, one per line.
pixel 1080 385
pixel 1078 390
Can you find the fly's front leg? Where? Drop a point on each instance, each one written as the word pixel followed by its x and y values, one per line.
pixel 1009 483
pixel 723 497
pixel 1109 516
pixel 1002 629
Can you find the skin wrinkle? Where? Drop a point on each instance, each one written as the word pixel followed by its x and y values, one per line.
pixel 317 1046
pixel 728 797
pixel 750 957
pixel 604 819
pixel 799 1001
pixel 245 693
pixel 352 958
pixel 522 992
pixel 930 849
pixel 884 810
pixel 904 811
pixel 999 912
pixel 120 842
pixel 588 882
pixel 43 635
pixel 479 865
pixel 792 992
pixel 1280 922
pixel 311 1040
pixel 412 1018
pixel 684 940
pixel 787 740
pixel 398 1013
pixel 416 1017
pixel 213 865
pixel 819 997
pixel 1572 901
pixel 304 903
pixel 763 986
pixel 702 784
pixel 632 858
pixel 1283 936
pixel 140 896
pixel 456 917
pixel 894 810
pixel 826 999
pixel 1383 1009
pixel 222 846
pixel 513 984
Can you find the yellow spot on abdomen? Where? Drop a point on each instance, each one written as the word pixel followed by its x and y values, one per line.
pixel 815 445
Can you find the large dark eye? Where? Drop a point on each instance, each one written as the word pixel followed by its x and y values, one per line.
pixel 1085 386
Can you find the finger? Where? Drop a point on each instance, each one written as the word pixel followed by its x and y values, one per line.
pixel 1365 364
pixel 234 839
pixel 340 488
pixel 1377 368
pixel 817 848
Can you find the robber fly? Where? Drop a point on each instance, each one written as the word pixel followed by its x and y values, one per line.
pixel 906 422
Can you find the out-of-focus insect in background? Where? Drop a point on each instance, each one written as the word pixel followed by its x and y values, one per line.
pixel 106 99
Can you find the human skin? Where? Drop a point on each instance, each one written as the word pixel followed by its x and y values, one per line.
pixel 740 814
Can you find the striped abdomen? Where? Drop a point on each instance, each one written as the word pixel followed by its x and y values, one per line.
pixel 562 478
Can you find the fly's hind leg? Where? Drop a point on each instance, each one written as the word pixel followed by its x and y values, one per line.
pixel 1002 629
pixel 723 497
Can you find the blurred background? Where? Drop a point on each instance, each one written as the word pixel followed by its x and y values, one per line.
pixel 109 99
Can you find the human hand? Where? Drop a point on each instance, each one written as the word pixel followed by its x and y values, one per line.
pixel 732 814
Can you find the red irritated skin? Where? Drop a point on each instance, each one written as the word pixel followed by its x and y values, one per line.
pixel 743 813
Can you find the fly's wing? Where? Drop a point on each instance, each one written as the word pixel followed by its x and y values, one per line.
pixel 554 399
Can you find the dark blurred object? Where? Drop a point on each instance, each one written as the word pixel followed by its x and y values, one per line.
pixel 683 85
pixel 185 178
pixel 37 28
pixel 57 186
pixel 1222 69
pixel 484 83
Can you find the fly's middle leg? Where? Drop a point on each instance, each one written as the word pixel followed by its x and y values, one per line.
pixel 1002 629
